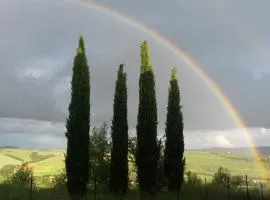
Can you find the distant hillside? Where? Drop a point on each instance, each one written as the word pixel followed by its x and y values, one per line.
pixel 9 147
pixel 264 150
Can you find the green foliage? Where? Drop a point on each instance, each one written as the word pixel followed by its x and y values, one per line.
pixel 161 179
pixel 132 148
pixel 78 125
pixel 60 180
pixel 147 149
pixel 193 178
pixel 237 180
pixel 100 156
pixel 132 162
pixel 22 175
pixel 221 177
pixel 119 151
pixel 174 163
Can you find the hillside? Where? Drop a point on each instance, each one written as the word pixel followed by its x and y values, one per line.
pixel 51 162
pixel 264 150
pixel 45 162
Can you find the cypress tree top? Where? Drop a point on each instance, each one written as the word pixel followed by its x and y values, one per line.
pixel 174 74
pixel 81 43
pixel 145 58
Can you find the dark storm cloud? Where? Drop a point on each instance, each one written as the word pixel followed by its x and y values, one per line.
pixel 38 43
pixel 39 49
pixel 230 39
pixel 44 134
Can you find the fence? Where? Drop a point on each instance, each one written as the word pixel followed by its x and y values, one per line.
pixel 208 191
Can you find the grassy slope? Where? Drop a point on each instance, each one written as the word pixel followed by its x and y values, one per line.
pixel 204 163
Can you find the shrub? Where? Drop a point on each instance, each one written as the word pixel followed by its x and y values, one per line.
pixel 22 175
pixel 237 181
pixel 193 178
pixel 60 180
pixel 99 156
pixel 221 177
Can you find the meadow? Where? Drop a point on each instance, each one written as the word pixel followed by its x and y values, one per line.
pixel 51 163
pixel 205 164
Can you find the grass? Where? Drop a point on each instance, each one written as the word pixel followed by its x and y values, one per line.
pixel 190 192
pixel 51 162
pixel 5 160
pixel 45 162
pixel 206 163
pixel 50 166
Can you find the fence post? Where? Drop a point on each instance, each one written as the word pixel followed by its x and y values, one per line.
pixel 205 188
pixel 262 196
pixel 178 193
pixel 95 186
pixel 247 193
pixel 228 184
pixel 95 180
pixel 31 187
pixel 182 195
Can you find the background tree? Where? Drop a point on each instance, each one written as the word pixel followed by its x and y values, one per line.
pixel 78 125
pixel 147 149
pixel 119 152
pixel 100 156
pixel 174 145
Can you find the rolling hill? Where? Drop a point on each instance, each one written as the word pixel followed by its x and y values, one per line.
pixel 264 150
pixel 204 162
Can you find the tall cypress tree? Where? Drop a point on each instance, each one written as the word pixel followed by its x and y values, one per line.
pixel 78 125
pixel 174 161
pixel 119 152
pixel 147 153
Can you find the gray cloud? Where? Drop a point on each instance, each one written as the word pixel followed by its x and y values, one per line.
pixel 46 134
pixel 39 39
pixel 38 83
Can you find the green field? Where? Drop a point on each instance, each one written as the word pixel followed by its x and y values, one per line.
pixel 51 162
pixel 45 162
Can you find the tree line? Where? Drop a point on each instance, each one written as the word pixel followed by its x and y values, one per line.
pixel 147 148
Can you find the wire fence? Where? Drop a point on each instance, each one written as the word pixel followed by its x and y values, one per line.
pixel 205 191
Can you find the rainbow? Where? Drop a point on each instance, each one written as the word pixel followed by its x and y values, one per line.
pixel 189 61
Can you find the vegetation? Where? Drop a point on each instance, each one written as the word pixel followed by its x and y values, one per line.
pixel 147 150
pixel 119 152
pixel 78 125
pixel 100 158
pixel 174 162
pixel 142 161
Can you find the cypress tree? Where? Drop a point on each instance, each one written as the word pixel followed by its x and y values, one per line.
pixel 78 125
pixel 119 152
pixel 174 161
pixel 147 153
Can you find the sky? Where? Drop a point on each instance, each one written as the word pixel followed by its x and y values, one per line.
pixel 38 40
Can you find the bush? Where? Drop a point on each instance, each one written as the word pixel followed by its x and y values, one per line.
pixel 193 178
pixel 60 180
pixel 221 177
pixel 237 181
pixel 22 175
pixel 99 156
